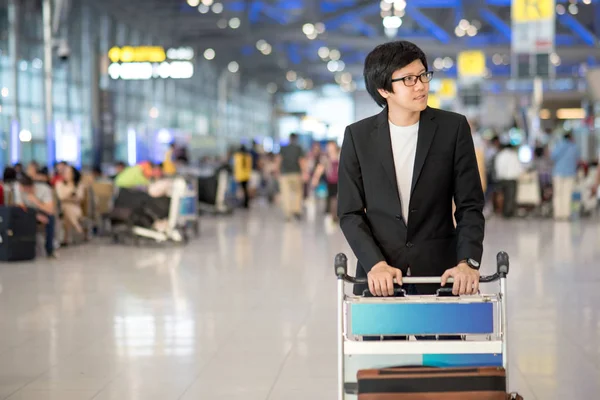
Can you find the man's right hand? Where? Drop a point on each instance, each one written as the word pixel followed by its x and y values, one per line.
pixel 381 279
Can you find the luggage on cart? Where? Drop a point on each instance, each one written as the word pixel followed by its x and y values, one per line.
pixel 18 230
pixel 409 383
pixel 422 346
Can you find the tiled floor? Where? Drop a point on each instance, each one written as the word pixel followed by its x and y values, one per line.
pixel 248 312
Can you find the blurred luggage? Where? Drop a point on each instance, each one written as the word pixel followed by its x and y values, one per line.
pixel 18 230
pixel 465 383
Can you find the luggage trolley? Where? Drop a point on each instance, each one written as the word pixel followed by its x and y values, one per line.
pixel 481 340
pixel 188 207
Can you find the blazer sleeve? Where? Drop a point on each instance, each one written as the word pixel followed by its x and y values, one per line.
pixel 351 207
pixel 468 197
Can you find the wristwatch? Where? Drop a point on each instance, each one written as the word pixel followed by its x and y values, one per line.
pixel 472 263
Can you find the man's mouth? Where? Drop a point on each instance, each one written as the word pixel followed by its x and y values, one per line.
pixel 421 97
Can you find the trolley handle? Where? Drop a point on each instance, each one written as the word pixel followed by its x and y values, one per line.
pixel 341 271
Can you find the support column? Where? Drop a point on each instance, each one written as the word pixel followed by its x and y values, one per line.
pixel 48 98
pixel 14 144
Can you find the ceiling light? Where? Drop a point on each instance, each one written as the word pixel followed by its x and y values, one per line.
pixel 390 32
pixel 385 6
pixel 346 77
pixel 291 76
pixel 272 88
pixel 267 50
pixel 193 3
pixel 341 66
pixel 400 5
pixel 207 2
pixel 4 92
pixel 460 32
pixel 448 62
pixel 338 78
pixel 335 54
pixel 261 44
pixel 392 22
pixel 308 84
pixel 203 9
pixel 25 136
pixel 332 66
pixel 234 23
pixel 399 13
pixel 154 113
pixel 323 52
pixel 312 36
pixel 438 63
pixel 233 67
pixel 209 54
pixel 464 24
pixel 300 83
pixel 587 1
pixel 497 59
pixel 555 59
pixel 217 8
pixel 222 23
pixel 471 31
pixel 308 29
pixel 560 9
pixel 573 9
pixel 320 27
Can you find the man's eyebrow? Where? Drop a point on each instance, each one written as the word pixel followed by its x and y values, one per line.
pixel 419 73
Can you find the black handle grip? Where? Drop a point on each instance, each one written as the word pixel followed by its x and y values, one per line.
pixel 503 262
pixel 341 265
pixel 341 270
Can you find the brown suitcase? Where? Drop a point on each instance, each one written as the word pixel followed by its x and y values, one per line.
pixel 424 383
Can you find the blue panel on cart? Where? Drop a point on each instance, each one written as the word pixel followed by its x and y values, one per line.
pixel 462 360
pixel 422 319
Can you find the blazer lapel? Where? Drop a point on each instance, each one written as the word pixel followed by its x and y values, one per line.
pixel 427 129
pixel 384 150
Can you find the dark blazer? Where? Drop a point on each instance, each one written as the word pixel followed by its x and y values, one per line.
pixel 369 203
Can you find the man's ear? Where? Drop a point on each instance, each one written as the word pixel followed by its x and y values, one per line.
pixel 384 93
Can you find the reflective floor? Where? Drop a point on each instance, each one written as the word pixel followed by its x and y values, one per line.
pixel 248 312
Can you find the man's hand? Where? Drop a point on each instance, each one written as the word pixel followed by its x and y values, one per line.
pixel 381 279
pixel 42 219
pixel 466 279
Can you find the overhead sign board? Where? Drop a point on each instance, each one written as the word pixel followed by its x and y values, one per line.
pixel 533 26
pixel 471 63
pixel 150 62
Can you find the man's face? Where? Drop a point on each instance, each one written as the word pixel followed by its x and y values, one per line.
pixel 409 98
pixel 27 189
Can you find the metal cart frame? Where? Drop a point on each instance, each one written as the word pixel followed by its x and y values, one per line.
pixel 351 343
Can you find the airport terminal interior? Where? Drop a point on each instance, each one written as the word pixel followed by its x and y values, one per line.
pixel 170 213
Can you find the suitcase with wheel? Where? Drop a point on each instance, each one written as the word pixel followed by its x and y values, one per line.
pixel 18 229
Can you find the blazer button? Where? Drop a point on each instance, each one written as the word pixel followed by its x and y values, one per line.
pixel 409 245
pixel 398 217
pixel 414 210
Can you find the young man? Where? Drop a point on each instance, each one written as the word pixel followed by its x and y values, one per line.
pixel 292 166
pixel 38 195
pixel 400 171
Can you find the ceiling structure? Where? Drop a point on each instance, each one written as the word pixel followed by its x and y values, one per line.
pixel 303 43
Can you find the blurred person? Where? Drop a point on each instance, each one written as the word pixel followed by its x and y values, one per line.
pixel 242 171
pixel 59 169
pixel 399 172
pixel 119 167
pixel 270 176
pixel 39 197
pixel 168 164
pixel 9 180
pixel 136 176
pixel 479 144
pixel 329 167
pixel 255 177
pixel 565 157
pixel 70 192
pixel 313 158
pixel 291 165
pixel 508 169
pixel 19 169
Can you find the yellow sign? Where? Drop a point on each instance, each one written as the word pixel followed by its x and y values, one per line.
pixel 433 101
pixel 532 10
pixel 471 63
pixel 129 54
pixel 447 88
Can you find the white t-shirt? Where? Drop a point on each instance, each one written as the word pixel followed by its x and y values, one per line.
pixel 404 148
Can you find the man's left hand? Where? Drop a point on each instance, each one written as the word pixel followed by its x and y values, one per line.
pixel 466 279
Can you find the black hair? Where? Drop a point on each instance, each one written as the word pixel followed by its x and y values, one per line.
pixel 26 180
pixel 386 59
pixel 10 175
pixel 568 136
pixel 293 137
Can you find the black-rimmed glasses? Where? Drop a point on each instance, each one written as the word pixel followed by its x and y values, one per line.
pixel 411 80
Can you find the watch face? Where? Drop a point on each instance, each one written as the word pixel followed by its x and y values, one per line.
pixel 473 263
